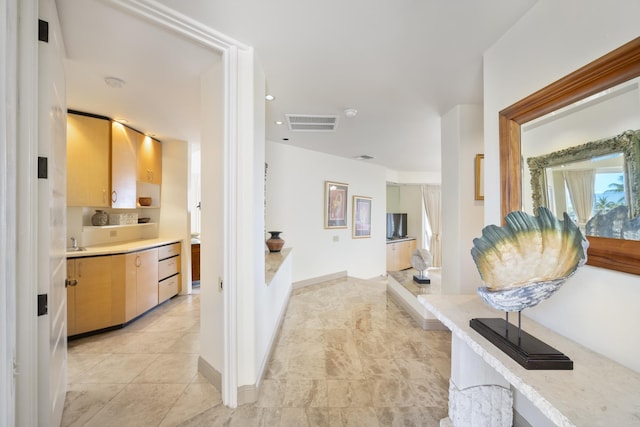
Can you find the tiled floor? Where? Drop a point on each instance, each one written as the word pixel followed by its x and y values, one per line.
pixel 346 356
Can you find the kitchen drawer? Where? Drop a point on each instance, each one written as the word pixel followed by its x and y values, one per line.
pixel 168 251
pixel 168 267
pixel 168 288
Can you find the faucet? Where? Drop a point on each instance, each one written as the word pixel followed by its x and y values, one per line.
pixel 74 244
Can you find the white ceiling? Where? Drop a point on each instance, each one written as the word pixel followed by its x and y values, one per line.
pixel 401 64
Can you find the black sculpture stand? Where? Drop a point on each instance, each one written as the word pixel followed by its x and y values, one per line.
pixel 423 280
pixel 527 350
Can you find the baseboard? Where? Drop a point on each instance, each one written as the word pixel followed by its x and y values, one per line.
pixel 426 324
pixel 272 343
pixel 247 394
pixel 319 279
pixel 210 373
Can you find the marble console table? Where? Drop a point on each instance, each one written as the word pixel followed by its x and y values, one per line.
pixel 597 392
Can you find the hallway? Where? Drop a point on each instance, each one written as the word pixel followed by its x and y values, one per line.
pixel 346 356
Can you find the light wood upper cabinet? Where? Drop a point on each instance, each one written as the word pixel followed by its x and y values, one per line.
pixel 124 145
pixel 88 161
pixel 149 160
pixel 105 162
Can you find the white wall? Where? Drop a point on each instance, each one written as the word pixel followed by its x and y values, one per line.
pixel 174 214
pixel 462 215
pixel 295 198
pixel 211 248
pixel 597 307
pixel 410 202
pixel 400 177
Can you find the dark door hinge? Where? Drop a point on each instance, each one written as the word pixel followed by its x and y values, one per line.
pixel 43 31
pixel 43 304
pixel 43 168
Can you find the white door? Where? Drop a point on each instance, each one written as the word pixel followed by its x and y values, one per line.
pixel 52 328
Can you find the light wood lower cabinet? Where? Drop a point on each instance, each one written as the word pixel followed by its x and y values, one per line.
pixel 112 290
pixel 168 271
pixel 90 303
pixel 399 254
pixel 142 274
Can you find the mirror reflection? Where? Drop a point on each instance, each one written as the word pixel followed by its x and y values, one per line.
pixel 584 160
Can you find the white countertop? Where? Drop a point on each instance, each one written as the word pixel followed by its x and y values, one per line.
pixel 597 392
pixel 121 247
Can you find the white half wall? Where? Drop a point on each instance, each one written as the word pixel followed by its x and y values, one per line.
pixel 596 308
pixel 295 200
pixel 462 215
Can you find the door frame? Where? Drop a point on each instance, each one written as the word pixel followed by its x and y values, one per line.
pixel 21 183
pixel 26 223
pixel 8 182
pixel 228 48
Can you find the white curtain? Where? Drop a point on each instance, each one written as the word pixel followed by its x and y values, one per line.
pixel 581 184
pixel 431 200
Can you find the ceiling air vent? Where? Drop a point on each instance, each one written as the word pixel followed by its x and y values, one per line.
pixel 310 123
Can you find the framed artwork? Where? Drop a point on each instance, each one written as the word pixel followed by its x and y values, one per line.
pixel 335 204
pixel 479 176
pixel 361 217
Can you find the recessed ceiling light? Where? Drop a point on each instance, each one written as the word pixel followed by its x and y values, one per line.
pixel 279 122
pixel 114 82
pixel 269 97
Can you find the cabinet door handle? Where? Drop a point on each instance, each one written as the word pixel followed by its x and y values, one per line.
pixel 79 265
pixel 138 261
pixel 114 196
pixel 70 282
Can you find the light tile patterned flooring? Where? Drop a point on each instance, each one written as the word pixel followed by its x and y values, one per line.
pixel 346 356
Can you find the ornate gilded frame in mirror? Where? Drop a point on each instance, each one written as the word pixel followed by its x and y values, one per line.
pixel 626 143
pixel 612 69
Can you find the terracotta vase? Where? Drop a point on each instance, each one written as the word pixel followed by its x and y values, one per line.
pixel 275 243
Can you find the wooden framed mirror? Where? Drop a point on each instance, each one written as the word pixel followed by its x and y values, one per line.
pixel 610 70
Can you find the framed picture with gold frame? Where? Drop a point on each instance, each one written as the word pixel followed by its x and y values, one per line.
pixel 479 177
pixel 361 226
pixel 335 204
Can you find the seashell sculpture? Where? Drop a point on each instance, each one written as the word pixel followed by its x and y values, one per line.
pixel 526 261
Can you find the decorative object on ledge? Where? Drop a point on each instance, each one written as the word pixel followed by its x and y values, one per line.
pixel 100 218
pixel 421 260
pixel 275 243
pixel 521 265
pixel 145 201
